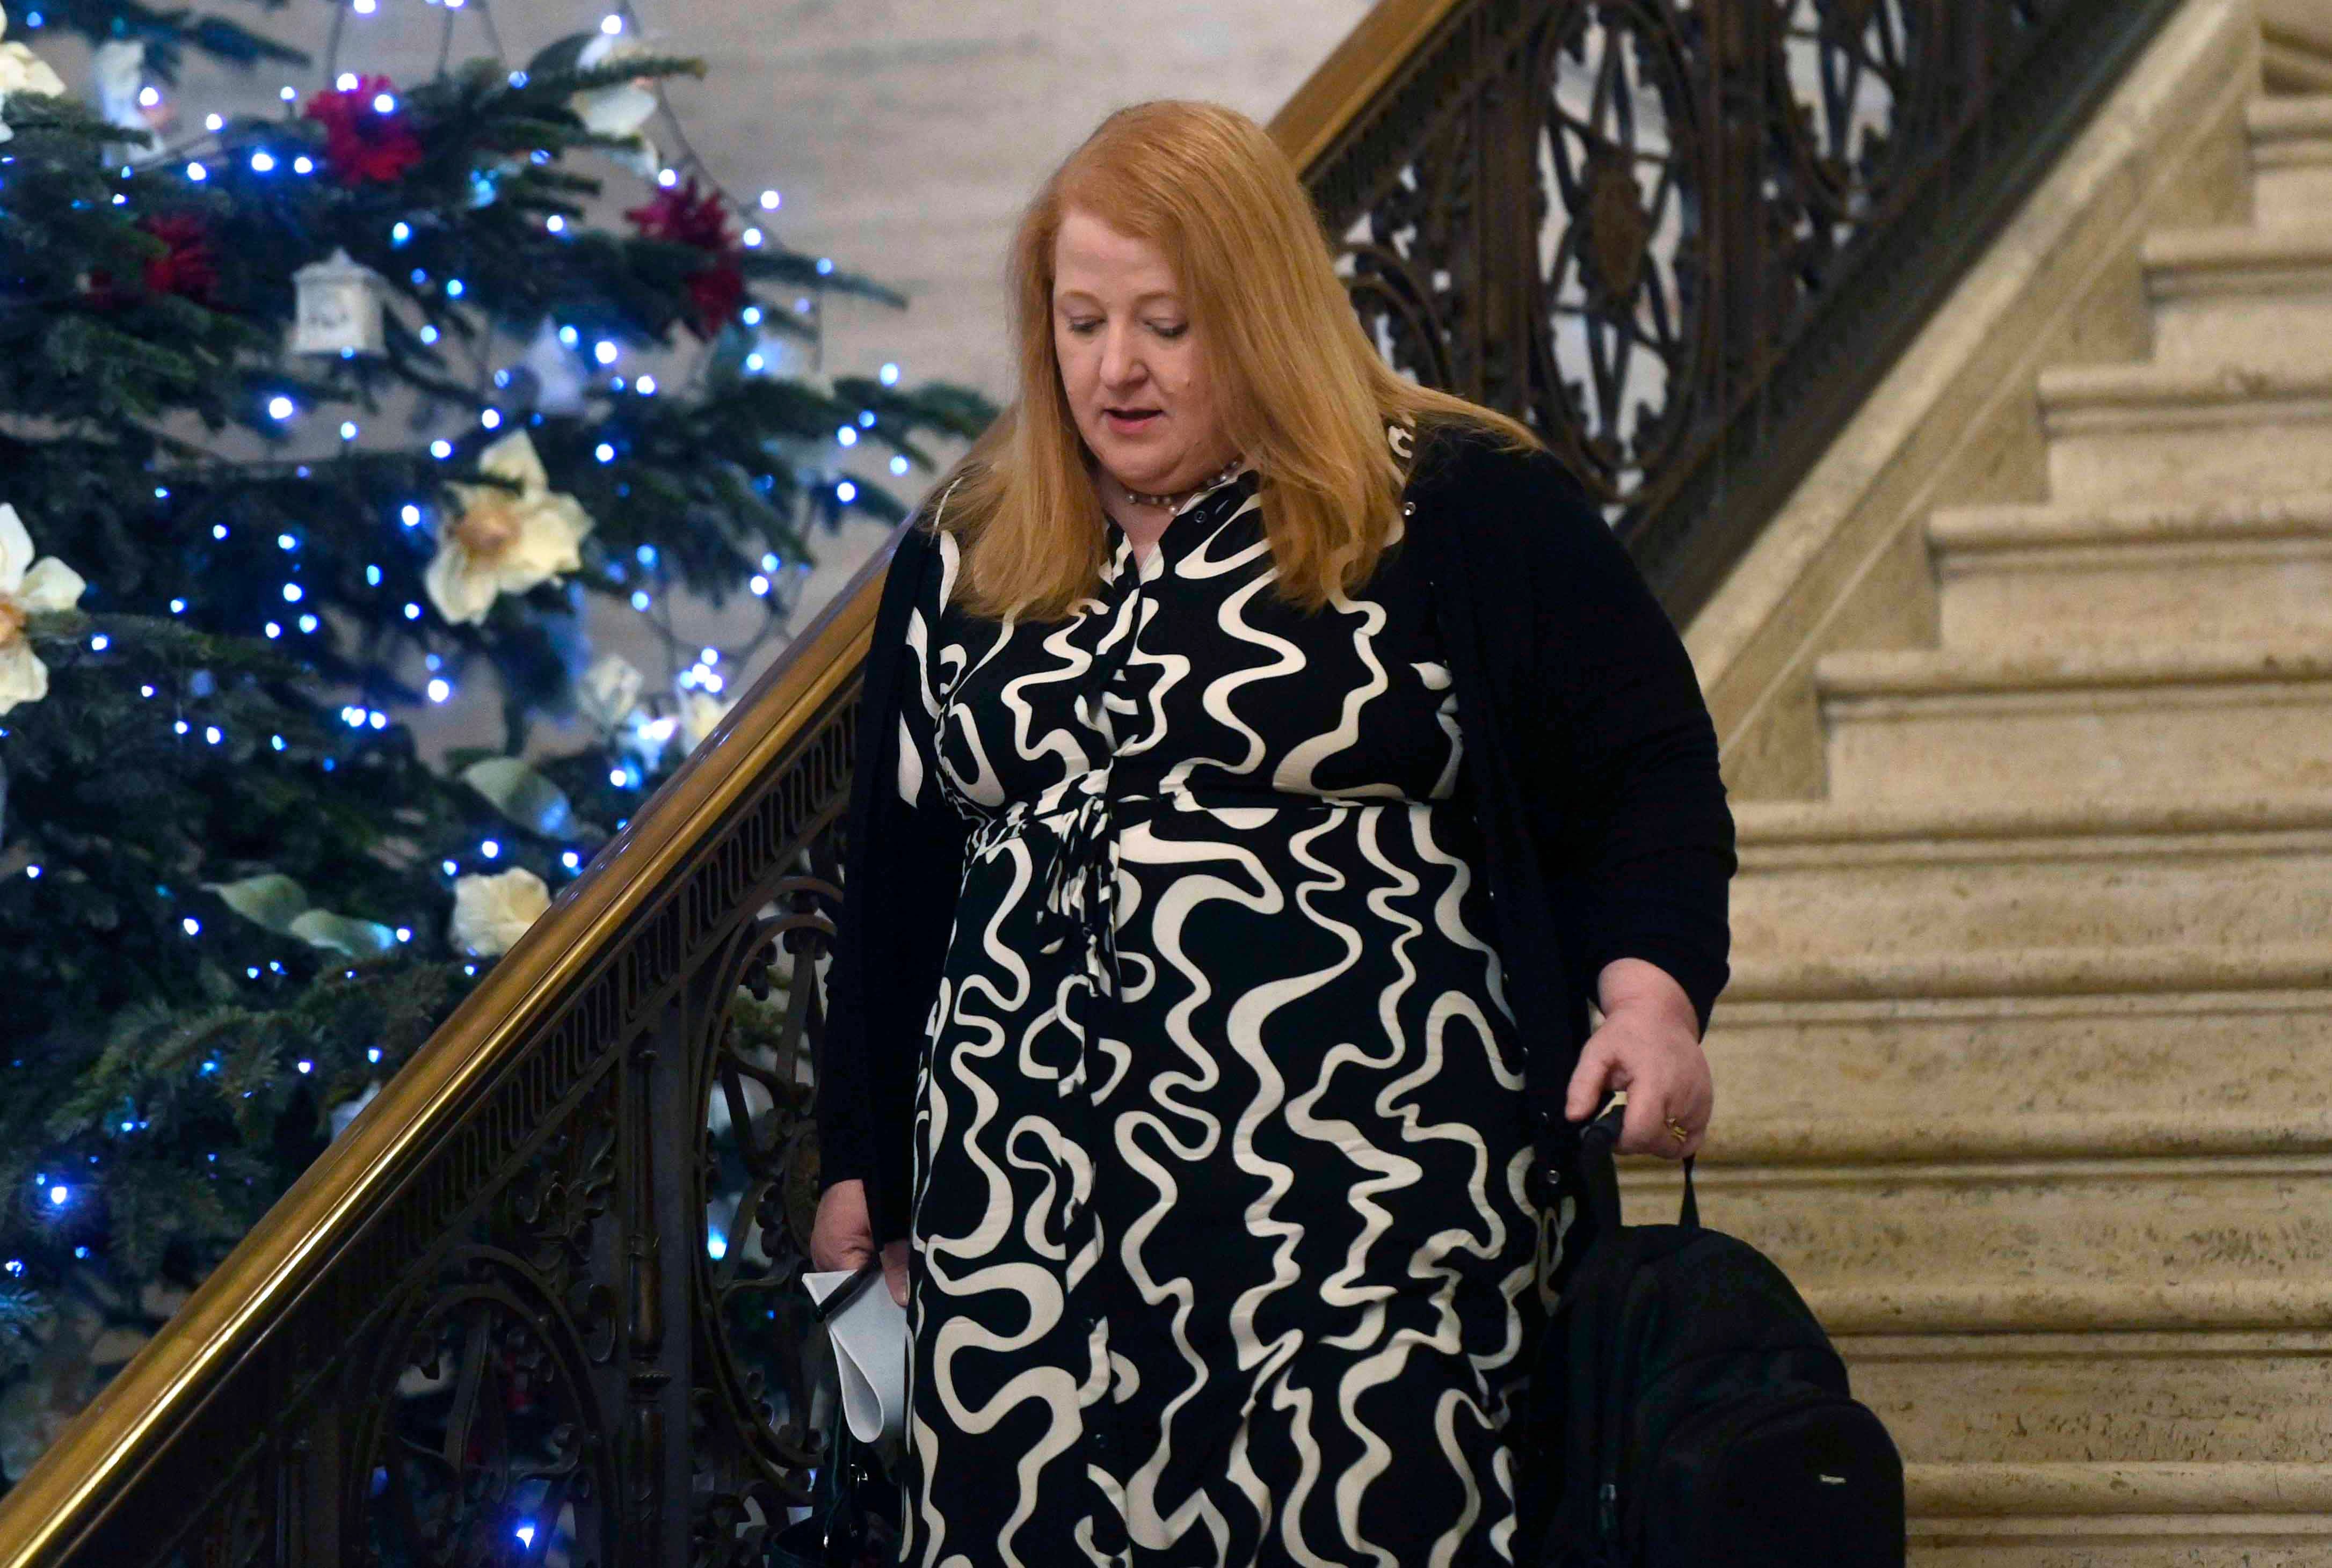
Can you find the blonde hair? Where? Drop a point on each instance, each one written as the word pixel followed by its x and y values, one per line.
pixel 1302 392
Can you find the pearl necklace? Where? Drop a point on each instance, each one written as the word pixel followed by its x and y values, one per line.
pixel 1174 501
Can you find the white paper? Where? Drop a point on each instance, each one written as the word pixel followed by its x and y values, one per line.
pixel 870 1349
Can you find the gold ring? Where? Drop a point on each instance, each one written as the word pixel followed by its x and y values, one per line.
pixel 1676 1131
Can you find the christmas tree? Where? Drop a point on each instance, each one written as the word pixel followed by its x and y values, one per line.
pixel 307 426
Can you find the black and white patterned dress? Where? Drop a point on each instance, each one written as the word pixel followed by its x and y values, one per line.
pixel 1223 1255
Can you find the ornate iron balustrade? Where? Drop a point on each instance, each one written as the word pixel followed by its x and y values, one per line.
pixel 539 1304
pixel 1683 238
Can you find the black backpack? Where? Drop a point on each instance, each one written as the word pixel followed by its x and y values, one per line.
pixel 1686 1411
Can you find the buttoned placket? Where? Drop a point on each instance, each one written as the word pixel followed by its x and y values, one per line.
pixel 1084 894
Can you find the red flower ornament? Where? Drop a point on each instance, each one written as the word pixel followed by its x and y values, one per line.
pixel 687 215
pixel 187 267
pixel 363 142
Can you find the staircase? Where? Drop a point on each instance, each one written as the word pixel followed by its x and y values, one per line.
pixel 2025 1074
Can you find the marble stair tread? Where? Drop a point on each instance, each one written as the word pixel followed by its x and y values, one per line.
pixel 2162 1488
pixel 2302 119
pixel 1975 531
pixel 2234 882
pixel 1953 671
pixel 2061 971
pixel 1996 1264
pixel 2144 394
pixel 1811 824
pixel 2180 260
pixel 2241 1394
pixel 2223 567
pixel 2006 1135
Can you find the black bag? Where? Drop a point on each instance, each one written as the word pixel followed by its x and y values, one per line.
pixel 1687 1412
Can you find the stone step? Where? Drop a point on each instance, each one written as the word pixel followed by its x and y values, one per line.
pixel 2050 1245
pixel 2069 1514
pixel 2291 159
pixel 2159 723
pixel 2252 295
pixel 2010 1056
pixel 2233 1395
pixel 2235 569
pixel 2294 63
pixel 1820 880
pixel 2161 432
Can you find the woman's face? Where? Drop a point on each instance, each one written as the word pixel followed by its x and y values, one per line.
pixel 1130 360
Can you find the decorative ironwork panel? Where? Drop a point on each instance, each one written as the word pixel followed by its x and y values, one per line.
pixel 1647 227
pixel 577 1338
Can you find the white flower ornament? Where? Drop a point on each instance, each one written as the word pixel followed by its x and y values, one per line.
pixel 700 715
pixel 622 108
pixel 27 590
pixel 609 693
pixel 504 541
pixel 492 912
pixel 21 71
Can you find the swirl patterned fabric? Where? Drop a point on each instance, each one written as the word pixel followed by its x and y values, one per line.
pixel 1223 1250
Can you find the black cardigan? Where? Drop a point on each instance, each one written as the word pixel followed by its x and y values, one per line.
pixel 1592 764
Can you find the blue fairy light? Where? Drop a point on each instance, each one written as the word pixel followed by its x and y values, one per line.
pixel 192 927
pixel 489 849
pixel 100 643
pixel 263 163
pixel 400 233
pixel 890 375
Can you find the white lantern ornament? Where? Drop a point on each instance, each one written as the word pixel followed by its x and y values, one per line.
pixel 340 306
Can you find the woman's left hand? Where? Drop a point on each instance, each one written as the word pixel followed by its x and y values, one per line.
pixel 1649 1045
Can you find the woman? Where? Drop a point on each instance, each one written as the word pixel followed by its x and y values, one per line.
pixel 1255 745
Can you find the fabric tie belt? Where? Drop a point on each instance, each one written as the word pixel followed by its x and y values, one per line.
pixel 1079 879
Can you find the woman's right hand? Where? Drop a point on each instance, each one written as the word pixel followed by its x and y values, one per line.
pixel 843 1237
